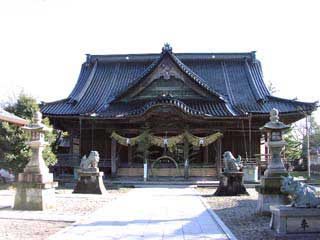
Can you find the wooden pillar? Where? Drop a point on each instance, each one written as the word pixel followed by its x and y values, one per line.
pixel 106 144
pixel 71 136
pixel 219 153
pixel 113 158
pixel 186 158
pixel 92 136
pixel 250 136
pixel 206 154
pixel 80 137
pixel 129 155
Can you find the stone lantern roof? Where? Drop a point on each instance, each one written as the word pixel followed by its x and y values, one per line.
pixel 274 123
pixel 36 124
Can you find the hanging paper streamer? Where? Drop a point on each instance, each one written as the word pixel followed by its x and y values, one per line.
pixel 169 142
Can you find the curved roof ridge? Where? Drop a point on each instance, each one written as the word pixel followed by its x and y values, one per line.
pixel 256 91
pixel 292 100
pixel 79 96
pixel 227 82
pixel 54 102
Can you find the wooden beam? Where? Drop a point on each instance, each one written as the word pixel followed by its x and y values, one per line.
pixel 186 158
pixel 113 158
pixel 219 153
pixel 206 154
pixel 129 155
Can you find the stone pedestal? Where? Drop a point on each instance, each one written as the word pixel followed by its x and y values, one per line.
pixel 231 184
pixel 250 172
pixel 35 196
pixel 90 182
pixel 35 186
pixel 35 191
pixel 288 221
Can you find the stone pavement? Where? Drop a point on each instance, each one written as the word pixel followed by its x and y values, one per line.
pixel 150 213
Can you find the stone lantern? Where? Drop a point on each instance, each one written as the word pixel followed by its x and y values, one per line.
pixel 35 187
pixel 269 190
pixel 274 130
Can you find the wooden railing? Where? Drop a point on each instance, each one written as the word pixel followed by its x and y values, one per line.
pixel 73 160
pixel 68 160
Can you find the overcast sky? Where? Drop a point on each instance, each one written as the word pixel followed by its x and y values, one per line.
pixel 43 43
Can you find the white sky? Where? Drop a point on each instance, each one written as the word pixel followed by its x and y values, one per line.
pixel 43 43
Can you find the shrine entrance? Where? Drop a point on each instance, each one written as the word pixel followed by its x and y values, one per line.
pixel 184 155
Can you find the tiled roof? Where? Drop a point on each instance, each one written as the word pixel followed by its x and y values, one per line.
pixel 191 107
pixel 10 117
pixel 235 78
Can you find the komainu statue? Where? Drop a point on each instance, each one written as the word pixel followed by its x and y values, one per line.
pixel 303 195
pixel 231 180
pixel 89 177
pixel 91 161
pixel 231 164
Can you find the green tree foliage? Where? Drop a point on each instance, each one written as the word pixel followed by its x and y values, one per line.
pixel 296 139
pixel 49 151
pixel 14 153
pixel 25 107
pixel 314 136
pixel 293 149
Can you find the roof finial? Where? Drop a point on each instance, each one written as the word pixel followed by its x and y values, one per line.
pixel 166 48
pixel 88 59
pixel 274 115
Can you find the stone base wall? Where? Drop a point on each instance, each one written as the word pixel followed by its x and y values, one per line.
pixel 167 172
pixel 288 220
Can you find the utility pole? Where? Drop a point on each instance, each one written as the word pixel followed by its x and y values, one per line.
pixel 308 147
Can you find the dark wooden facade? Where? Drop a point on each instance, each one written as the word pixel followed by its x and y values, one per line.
pixel 169 93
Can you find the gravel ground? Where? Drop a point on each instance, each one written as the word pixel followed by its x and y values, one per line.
pixel 22 229
pixel 239 214
pixel 67 203
pixel 83 203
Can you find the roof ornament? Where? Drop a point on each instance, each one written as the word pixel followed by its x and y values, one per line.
pixel 274 115
pixel 167 48
pixel 88 58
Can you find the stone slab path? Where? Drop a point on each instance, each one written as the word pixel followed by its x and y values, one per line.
pixel 150 213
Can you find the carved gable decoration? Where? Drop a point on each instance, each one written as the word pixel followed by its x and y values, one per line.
pixel 172 86
pixel 166 79
pixel 166 70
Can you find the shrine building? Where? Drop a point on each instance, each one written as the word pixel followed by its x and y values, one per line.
pixel 194 106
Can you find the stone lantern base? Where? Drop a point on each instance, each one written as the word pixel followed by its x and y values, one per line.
pixel 269 193
pixel 32 193
pixel 90 182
